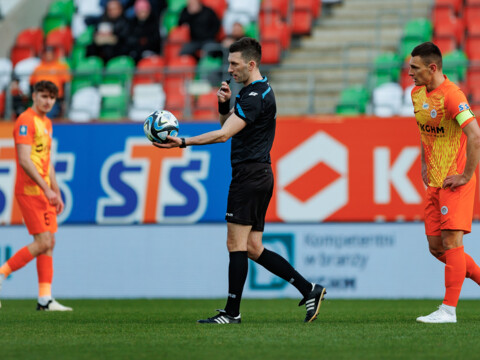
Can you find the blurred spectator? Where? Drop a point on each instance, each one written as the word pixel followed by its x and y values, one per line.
pixel 204 25
pixel 243 11
pixel 19 99
pixel 238 31
pixel 144 36
pixel 54 70
pixel 111 33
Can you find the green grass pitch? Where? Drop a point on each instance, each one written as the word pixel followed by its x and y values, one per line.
pixel 270 329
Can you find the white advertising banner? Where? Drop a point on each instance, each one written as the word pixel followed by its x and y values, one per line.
pixel 353 260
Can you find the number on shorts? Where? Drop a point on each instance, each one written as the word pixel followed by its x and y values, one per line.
pixel 47 219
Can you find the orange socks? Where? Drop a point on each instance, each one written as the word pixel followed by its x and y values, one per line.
pixel 45 275
pixel 473 270
pixel 21 258
pixel 455 271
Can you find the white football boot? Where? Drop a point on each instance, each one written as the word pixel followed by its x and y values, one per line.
pixel 441 316
pixel 53 305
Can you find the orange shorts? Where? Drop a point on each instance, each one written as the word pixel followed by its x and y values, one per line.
pixel 449 210
pixel 38 214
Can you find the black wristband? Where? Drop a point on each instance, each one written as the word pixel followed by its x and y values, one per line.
pixel 224 107
pixel 184 144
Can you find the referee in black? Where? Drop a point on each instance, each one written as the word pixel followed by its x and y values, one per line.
pixel 251 125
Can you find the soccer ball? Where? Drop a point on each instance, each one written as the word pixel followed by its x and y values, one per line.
pixel 159 124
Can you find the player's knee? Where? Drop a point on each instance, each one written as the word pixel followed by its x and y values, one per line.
pixel 254 251
pixel 436 252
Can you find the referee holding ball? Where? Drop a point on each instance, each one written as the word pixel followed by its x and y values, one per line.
pixel 251 125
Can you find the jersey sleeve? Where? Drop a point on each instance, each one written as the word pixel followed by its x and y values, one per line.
pixel 249 107
pixel 24 130
pixel 458 107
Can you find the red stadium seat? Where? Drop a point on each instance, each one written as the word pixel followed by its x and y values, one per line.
pixel 219 6
pixel 271 51
pixel 471 17
pixel 445 43
pixel 472 47
pixel 19 53
pixel 279 7
pixel 176 38
pixel 32 37
pixel 150 70
pixel 456 5
pixel 449 25
pixel 206 107
pixel 60 38
pixel 276 31
pixel 302 17
pixel 182 66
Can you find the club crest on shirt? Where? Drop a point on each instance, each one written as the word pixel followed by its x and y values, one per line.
pixel 444 210
pixel 433 113
pixel 23 130
pixel 425 106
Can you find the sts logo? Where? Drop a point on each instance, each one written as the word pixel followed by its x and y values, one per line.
pixel 64 170
pixel 147 185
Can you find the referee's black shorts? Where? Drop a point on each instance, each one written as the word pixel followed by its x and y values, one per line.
pixel 249 195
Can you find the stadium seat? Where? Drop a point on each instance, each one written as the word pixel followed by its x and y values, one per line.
pixel 89 8
pixel 19 53
pixel 5 72
pixel 86 38
pixel 178 36
pixel 353 99
pixel 406 47
pixel 387 68
pixel 455 65
pixel 145 99
pixel 53 22
pixel 150 70
pixel 302 17
pixel 78 53
pixel 206 106
pixel 271 51
pixel 176 5
pixel 209 68
pixel 88 72
pixel 32 37
pixel 446 43
pixel 182 67
pixel 114 107
pixel 420 29
pixel 23 70
pixel 276 31
pixel 280 7
pixel 387 99
pixel 60 38
pixel 119 70
pixel 447 24
pixel 471 17
pixel 219 6
pixel 455 5
pixel 85 105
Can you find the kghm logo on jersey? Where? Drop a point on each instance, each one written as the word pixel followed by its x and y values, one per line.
pixel 425 106
pixel 431 129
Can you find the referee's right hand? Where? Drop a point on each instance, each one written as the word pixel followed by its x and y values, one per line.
pixel 224 93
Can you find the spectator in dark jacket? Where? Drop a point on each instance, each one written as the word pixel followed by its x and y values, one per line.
pixel 204 25
pixel 144 38
pixel 111 33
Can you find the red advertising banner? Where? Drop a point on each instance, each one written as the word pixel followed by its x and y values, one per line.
pixel 347 169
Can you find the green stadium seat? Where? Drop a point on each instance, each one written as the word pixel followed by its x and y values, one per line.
pixel 251 30
pixel 387 67
pixel 406 47
pixel 53 22
pixel 420 29
pixel 455 65
pixel 119 70
pixel 88 72
pixel 354 98
pixel 86 38
pixel 114 107
pixel 77 55
pixel 170 20
pixel 209 68
pixel 62 8
pixel 176 6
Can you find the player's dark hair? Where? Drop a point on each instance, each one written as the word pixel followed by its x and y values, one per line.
pixel 48 86
pixel 249 48
pixel 429 53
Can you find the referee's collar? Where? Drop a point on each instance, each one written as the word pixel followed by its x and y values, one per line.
pixel 262 80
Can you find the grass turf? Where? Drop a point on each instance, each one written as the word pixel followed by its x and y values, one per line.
pixel 270 329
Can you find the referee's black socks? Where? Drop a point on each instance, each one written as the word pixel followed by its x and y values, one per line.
pixel 279 266
pixel 237 274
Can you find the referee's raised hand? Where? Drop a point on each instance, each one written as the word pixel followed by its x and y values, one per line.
pixel 224 93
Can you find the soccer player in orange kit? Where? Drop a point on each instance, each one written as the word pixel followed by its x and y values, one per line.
pixel 450 139
pixel 37 192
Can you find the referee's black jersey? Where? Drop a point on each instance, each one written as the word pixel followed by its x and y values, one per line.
pixel 255 104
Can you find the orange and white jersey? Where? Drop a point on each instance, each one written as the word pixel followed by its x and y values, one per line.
pixel 32 129
pixel 441 114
